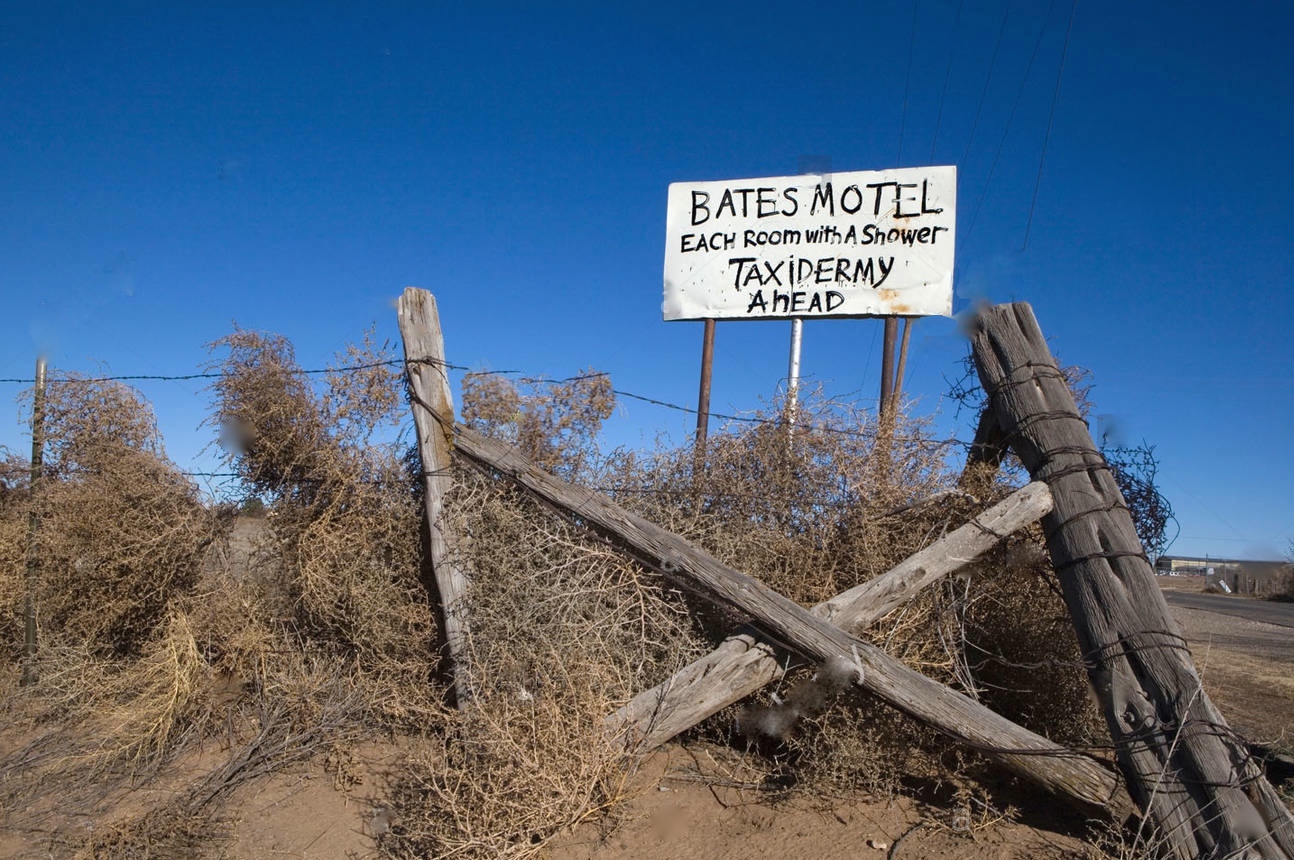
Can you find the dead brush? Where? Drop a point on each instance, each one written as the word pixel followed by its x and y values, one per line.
pixel 304 709
pixel 1019 644
pixel 836 502
pixel 109 719
pixel 14 510
pixel 344 524
pixel 152 704
pixel 139 663
pixel 121 532
pixel 118 683
pixel 335 636
pixel 563 630
pixel 513 772
pixel 802 510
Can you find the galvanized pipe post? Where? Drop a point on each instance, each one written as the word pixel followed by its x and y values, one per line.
pixel 793 373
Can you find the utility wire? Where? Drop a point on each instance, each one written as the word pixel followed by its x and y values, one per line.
pixel 907 81
pixel 992 64
pixel 1051 116
pixel 1010 119
pixel 948 70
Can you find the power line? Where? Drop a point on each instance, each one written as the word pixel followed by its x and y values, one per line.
pixel 992 64
pixel 907 81
pixel 1055 97
pixel 1011 117
pixel 943 94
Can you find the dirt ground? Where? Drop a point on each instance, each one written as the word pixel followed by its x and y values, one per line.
pixel 687 803
pixel 687 812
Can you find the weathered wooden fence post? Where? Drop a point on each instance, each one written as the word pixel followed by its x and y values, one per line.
pixel 33 523
pixel 433 419
pixel 1190 774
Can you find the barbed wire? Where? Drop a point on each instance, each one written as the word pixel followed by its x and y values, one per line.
pixel 468 372
pixel 212 374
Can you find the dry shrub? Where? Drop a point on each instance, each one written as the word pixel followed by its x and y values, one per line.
pixel 159 698
pixel 304 708
pixel 1020 645
pixel 512 773
pixel 14 508
pixel 126 722
pixel 806 510
pixel 145 650
pixel 1282 589
pixel 563 630
pixel 555 424
pixel 122 533
pixel 102 723
pixel 837 502
pixel 161 833
pixel 114 716
pixel 343 517
pixel 332 634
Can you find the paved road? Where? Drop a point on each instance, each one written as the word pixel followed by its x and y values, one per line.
pixel 1241 607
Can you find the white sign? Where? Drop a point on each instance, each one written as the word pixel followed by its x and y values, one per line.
pixel 869 243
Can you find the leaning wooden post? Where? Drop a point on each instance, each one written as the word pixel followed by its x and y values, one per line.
pixel 433 419
pixel 1192 776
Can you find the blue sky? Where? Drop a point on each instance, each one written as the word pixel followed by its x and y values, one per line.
pixel 169 169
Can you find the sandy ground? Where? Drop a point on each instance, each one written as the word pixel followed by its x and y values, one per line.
pixel 1246 669
pixel 684 809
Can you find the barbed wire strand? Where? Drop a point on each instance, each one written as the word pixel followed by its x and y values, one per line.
pixel 468 372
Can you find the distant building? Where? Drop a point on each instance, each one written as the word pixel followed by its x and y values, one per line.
pixel 1240 575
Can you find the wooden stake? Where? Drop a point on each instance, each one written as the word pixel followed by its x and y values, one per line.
pixel 433 419
pixel 903 358
pixel 887 367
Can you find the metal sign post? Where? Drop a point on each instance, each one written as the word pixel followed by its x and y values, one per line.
pixel 793 372
pixel 703 396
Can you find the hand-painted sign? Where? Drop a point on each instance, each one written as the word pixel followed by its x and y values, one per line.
pixel 868 243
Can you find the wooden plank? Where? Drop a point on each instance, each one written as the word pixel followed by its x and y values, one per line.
pixel 1074 777
pixel 743 664
pixel 1184 767
pixel 433 419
